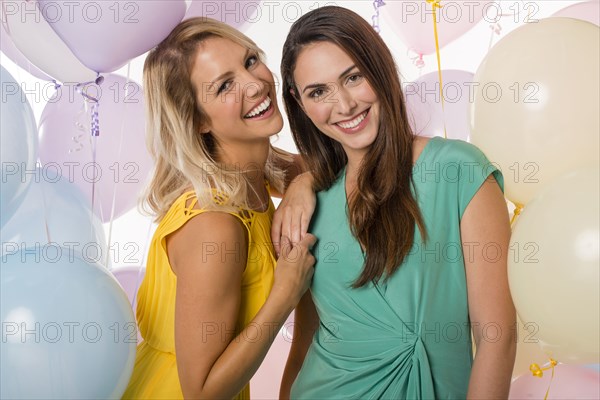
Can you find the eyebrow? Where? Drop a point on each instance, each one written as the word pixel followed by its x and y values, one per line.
pixel 316 85
pixel 229 73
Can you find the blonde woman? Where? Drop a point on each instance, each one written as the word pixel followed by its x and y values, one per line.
pixel 212 300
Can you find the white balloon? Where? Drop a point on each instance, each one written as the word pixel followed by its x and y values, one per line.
pixel 535 110
pixel 554 267
pixel 34 37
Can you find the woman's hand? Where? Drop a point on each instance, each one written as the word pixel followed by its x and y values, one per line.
pixel 294 270
pixel 294 212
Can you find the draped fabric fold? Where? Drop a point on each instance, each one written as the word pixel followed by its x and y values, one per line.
pixel 394 366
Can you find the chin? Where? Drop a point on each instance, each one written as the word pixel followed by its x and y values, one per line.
pixel 276 126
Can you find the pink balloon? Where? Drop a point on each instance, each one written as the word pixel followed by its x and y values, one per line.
pixel 424 103
pixel 236 13
pixel 412 20
pixel 122 162
pixel 10 50
pixel 266 381
pixel 105 35
pixel 587 11
pixel 570 382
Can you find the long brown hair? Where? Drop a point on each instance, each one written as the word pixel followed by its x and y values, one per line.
pixel 382 210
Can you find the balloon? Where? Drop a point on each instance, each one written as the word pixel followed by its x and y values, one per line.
pixel 528 348
pixel 105 35
pixel 424 104
pixel 533 113
pixel 68 330
pixel 122 162
pixel 130 279
pixel 266 381
pixel 554 267
pixel 595 367
pixel 32 35
pixel 569 382
pixel 236 13
pixel 412 21
pixel 10 50
pixel 588 11
pixel 56 211
pixel 18 151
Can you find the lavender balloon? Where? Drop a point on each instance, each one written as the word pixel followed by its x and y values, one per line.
pixel 105 35
pixel 118 174
pixel 412 21
pixel 424 102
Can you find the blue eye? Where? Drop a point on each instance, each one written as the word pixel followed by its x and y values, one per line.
pixel 253 59
pixel 225 86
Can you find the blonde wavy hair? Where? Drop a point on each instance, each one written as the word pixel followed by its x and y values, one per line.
pixel 183 156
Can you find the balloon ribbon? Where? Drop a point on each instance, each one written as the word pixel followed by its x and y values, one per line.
pixel 435 4
pixel 539 372
pixel 516 213
pixel 95 124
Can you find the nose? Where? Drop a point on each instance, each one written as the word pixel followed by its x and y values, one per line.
pixel 345 102
pixel 253 87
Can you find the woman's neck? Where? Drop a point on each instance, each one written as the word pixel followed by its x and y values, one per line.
pixel 246 156
pixel 249 160
pixel 352 168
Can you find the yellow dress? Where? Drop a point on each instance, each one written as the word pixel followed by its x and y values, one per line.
pixel 155 371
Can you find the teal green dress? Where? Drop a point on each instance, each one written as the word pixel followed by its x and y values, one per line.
pixel 408 337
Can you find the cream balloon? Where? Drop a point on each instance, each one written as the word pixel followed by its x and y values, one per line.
pixel 34 37
pixel 528 348
pixel 554 267
pixel 535 109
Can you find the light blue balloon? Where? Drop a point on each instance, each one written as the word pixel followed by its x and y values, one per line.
pixel 595 367
pixel 18 145
pixel 54 210
pixel 68 330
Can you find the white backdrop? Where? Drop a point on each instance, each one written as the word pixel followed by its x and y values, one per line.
pixel 129 233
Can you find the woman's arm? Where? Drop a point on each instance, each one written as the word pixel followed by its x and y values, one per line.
pixel 491 310
pixel 306 322
pixel 295 211
pixel 298 204
pixel 211 361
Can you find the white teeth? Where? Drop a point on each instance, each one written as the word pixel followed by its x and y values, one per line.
pixel 260 108
pixel 354 123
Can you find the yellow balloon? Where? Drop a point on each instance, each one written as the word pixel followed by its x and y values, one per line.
pixel 554 267
pixel 535 106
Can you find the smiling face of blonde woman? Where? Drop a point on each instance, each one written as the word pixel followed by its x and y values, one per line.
pixel 236 90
